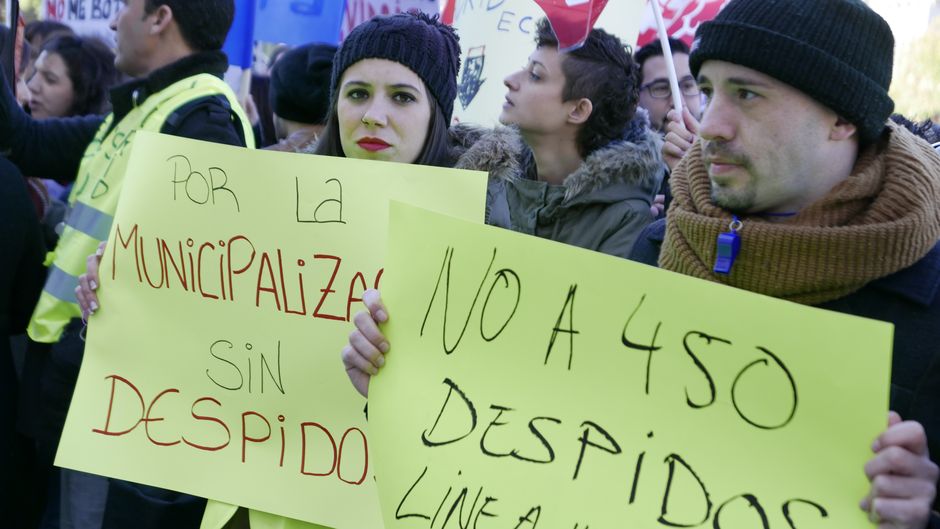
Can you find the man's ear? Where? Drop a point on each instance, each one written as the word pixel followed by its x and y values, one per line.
pixel 842 130
pixel 161 18
pixel 580 111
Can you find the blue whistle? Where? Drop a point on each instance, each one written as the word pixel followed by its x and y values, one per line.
pixel 729 244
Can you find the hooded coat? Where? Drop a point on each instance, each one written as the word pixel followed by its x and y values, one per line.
pixel 602 206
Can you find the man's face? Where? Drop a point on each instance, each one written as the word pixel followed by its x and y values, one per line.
pixel 534 97
pixel 656 94
pixel 134 39
pixel 764 142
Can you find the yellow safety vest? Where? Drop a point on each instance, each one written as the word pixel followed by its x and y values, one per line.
pixel 95 196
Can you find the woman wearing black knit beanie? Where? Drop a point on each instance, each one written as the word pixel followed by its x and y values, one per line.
pixel 393 88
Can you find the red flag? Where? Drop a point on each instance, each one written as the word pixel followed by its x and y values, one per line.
pixel 682 18
pixel 572 20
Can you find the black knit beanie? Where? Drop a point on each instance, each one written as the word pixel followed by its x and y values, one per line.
pixel 839 52
pixel 422 43
pixel 300 84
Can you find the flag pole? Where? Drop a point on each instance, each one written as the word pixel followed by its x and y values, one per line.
pixel 244 85
pixel 242 41
pixel 667 54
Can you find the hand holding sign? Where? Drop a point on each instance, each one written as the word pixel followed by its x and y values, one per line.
pixel 365 352
pixel 88 283
pixel 903 478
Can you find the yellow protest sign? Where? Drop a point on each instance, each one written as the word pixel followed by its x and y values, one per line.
pixel 213 366
pixel 532 384
pixel 497 37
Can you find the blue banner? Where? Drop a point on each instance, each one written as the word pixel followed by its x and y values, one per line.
pixel 240 42
pixel 296 22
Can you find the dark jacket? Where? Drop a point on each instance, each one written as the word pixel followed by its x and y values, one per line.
pixel 21 277
pixel 21 270
pixel 910 299
pixel 602 206
pixel 53 148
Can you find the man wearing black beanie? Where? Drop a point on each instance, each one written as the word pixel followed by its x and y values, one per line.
pixel 833 205
pixel 300 96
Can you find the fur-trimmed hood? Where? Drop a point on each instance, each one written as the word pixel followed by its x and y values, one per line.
pixel 635 161
pixel 303 141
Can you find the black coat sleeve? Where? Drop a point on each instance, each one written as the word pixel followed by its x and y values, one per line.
pixel 925 409
pixel 24 250
pixel 646 248
pixel 207 119
pixel 48 148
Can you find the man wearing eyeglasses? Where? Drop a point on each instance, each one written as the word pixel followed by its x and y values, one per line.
pixel 655 92
pixel 656 96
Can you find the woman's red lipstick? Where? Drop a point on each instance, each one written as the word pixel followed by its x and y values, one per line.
pixel 373 144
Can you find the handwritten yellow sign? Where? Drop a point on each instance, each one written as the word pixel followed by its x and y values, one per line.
pixel 532 384
pixel 213 366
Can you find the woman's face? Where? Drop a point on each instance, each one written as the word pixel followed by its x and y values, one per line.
pixel 383 111
pixel 51 91
pixel 534 100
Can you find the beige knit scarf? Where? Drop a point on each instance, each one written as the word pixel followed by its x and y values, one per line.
pixel 882 219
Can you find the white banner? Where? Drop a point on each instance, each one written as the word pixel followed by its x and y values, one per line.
pixel 497 37
pixel 85 17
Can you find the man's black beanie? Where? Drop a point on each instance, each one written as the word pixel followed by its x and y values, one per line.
pixel 423 44
pixel 839 52
pixel 300 84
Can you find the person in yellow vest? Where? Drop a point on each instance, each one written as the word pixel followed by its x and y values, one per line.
pixel 173 49
pixel 393 86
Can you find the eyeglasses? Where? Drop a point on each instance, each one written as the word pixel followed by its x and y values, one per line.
pixel 660 89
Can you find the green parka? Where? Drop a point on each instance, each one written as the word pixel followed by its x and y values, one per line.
pixel 603 206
